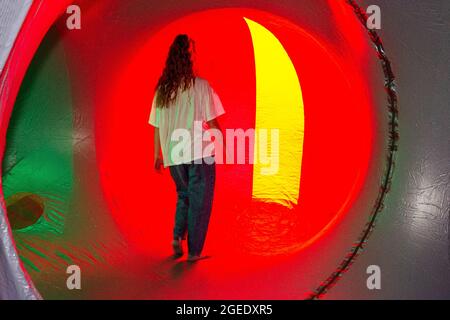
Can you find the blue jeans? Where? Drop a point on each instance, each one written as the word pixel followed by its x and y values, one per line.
pixel 195 190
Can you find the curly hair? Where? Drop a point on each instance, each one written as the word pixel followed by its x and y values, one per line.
pixel 178 71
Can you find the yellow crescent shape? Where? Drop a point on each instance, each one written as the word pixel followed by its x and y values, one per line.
pixel 279 108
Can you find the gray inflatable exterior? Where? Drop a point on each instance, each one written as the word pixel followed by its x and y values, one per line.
pixel 14 282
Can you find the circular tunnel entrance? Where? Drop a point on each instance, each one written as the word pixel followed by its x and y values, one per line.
pixel 232 56
pixel 113 216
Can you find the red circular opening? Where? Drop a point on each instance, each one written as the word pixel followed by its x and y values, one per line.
pixel 337 142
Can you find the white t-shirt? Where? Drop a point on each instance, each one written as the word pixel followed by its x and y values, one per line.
pixel 196 105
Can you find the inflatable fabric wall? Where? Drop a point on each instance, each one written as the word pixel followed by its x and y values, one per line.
pixel 363 171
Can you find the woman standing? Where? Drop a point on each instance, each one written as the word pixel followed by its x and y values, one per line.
pixel 181 100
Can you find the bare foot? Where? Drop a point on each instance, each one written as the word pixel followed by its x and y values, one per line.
pixel 194 258
pixel 177 248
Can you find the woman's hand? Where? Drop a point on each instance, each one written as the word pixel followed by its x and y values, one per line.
pixel 157 163
pixel 158 159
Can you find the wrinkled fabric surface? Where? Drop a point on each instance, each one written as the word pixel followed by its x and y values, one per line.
pixel 411 236
pixel 14 284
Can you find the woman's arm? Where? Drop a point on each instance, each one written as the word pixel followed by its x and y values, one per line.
pixel 157 158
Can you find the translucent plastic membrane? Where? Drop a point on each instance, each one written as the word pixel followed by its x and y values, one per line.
pixel 78 179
